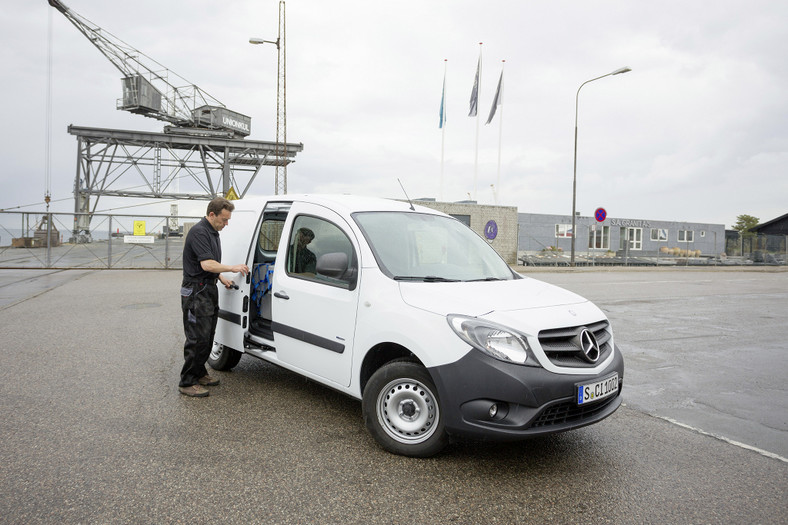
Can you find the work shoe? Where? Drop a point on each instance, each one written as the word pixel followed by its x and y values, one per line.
pixel 207 380
pixel 193 390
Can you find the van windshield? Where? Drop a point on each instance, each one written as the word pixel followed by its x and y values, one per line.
pixel 431 248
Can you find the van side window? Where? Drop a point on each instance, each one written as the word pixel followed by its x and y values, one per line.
pixel 320 251
pixel 268 240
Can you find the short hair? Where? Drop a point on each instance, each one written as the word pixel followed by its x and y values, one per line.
pixel 218 204
pixel 306 232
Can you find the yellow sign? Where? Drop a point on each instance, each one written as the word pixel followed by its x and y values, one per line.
pixel 139 227
pixel 231 195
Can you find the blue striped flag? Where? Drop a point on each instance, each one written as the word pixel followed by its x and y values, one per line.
pixel 443 103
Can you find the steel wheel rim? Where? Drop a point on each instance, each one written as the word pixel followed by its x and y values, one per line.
pixel 216 352
pixel 407 410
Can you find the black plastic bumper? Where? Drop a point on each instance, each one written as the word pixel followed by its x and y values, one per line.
pixel 528 400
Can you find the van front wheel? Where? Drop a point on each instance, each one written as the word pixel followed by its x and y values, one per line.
pixel 402 411
pixel 223 357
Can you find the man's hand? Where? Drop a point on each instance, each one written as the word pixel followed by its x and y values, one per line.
pixel 240 268
pixel 226 282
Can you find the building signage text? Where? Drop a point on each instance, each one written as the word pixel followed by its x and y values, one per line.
pixel 630 223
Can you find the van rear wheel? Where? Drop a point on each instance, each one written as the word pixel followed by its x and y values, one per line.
pixel 402 411
pixel 223 357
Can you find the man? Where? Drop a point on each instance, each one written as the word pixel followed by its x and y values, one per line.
pixel 202 253
pixel 305 260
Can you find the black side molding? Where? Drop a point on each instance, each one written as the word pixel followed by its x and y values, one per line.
pixel 231 317
pixel 307 337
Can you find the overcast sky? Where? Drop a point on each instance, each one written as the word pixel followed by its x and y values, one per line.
pixel 697 131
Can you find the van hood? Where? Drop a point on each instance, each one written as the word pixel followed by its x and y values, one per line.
pixel 480 298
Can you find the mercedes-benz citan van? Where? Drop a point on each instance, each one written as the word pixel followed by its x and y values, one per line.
pixel 411 312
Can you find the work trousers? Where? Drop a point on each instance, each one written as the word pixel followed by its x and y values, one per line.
pixel 200 305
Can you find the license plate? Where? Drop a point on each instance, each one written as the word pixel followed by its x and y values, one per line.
pixel 598 390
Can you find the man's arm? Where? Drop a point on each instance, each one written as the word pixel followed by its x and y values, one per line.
pixel 209 265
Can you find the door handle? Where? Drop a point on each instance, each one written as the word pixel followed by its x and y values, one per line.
pixel 281 295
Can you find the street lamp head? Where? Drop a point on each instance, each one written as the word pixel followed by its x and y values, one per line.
pixel 622 70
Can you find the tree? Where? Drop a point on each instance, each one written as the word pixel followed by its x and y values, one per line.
pixel 744 223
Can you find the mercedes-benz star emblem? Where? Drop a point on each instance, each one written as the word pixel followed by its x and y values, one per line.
pixel 589 345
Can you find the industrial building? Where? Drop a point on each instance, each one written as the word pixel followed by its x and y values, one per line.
pixel 520 237
pixel 541 234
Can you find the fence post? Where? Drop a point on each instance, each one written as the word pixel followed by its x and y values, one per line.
pixel 49 240
pixel 167 248
pixel 109 245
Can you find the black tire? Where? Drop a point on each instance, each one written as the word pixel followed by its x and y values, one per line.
pixel 402 410
pixel 223 357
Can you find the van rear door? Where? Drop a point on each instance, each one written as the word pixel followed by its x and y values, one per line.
pixel 236 240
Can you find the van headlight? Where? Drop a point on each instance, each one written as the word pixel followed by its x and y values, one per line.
pixel 494 340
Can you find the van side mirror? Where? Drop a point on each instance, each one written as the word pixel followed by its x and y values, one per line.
pixel 333 265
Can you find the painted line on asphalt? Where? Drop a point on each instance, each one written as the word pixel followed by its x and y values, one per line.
pixel 727 440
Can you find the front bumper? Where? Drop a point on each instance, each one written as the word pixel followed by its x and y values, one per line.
pixel 530 400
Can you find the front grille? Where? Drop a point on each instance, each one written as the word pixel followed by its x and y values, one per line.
pixel 570 412
pixel 561 349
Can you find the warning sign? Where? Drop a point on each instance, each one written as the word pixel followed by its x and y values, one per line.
pixel 231 195
pixel 139 227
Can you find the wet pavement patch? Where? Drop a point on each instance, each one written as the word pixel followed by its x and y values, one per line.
pixel 140 306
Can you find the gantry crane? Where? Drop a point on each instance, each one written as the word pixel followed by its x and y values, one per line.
pixel 204 142
pixel 150 89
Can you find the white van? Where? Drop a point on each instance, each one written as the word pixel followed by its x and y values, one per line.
pixel 413 313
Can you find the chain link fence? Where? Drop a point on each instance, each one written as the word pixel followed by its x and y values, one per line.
pixel 96 241
pixel 751 248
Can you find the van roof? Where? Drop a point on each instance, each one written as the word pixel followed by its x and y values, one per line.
pixel 346 204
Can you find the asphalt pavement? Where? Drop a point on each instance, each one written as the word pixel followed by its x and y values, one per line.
pixel 95 431
pixel 704 348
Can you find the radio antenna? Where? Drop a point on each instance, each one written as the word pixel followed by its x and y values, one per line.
pixel 406 194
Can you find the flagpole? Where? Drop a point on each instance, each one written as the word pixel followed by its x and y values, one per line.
pixel 476 155
pixel 500 131
pixel 443 125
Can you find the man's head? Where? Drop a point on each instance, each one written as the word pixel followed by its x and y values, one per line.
pixel 305 236
pixel 219 212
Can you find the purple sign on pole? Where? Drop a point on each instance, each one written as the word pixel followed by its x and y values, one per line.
pixel 491 230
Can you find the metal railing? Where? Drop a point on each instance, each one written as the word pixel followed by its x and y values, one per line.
pixel 111 241
pixel 740 250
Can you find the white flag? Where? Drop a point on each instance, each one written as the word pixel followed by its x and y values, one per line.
pixel 498 100
pixel 475 91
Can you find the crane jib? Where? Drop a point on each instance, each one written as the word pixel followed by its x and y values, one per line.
pixel 148 92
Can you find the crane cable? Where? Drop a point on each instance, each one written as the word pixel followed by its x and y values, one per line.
pixel 48 126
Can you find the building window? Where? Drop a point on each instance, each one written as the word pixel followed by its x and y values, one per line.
pixel 563 230
pixel 686 236
pixel 659 234
pixel 465 219
pixel 598 237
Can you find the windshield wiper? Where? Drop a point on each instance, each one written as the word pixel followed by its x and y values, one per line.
pixel 484 279
pixel 426 279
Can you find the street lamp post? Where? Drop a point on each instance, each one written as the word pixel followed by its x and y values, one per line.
pixel 280 173
pixel 574 176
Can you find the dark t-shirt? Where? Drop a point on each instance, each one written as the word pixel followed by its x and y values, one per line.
pixel 202 243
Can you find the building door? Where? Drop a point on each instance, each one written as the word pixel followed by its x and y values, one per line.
pixel 634 236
